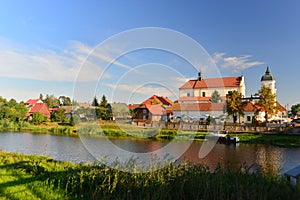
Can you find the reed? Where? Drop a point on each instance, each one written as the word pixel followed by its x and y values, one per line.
pixel 184 181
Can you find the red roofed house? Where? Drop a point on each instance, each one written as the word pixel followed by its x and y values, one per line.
pixel 150 113
pixel 164 101
pixel 41 108
pixel 37 105
pixel 200 90
pixel 153 109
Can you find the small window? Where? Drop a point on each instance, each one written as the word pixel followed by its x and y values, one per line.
pixel 203 94
pixel 248 118
pixel 144 111
pixel 188 94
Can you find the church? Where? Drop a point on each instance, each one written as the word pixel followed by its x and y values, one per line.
pixel 195 97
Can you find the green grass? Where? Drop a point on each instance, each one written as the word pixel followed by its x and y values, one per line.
pixel 19 181
pixel 270 139
pixel 33 177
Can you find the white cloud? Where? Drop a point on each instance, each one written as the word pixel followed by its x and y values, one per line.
pixel 31 62
pixel 234 63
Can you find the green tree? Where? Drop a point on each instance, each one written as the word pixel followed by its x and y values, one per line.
pixel 38 118
pixel 12 110
pixel 215 97
pixel 235 105
pixel 51 101
pixel 41 97
pixel 65 101
pixel 95 102
pixel 295 108
pixel 267 102
pixel 103 102
pixel 58 115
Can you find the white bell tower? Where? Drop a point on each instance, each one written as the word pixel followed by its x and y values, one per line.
pixel 269 81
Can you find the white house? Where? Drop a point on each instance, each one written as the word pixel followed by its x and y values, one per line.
pixel 201 90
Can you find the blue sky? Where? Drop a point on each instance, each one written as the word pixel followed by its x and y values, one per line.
pixel 45 44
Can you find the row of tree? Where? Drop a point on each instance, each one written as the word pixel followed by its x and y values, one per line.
pixel 53 101
pixel 12 110
pixel 235 103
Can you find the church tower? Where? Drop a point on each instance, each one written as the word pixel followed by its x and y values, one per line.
pixel 269 81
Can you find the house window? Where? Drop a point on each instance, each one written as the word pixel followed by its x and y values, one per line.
pixel 144 111
pixel 248 118
pixel 203 94
pixel 188 94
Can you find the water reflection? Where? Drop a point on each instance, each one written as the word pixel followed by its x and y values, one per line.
pixel 270 159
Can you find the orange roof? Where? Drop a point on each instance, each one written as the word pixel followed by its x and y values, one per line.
pixel 132 106
pixel 156 109
pixel 158 100
pixel 41 108
pixel 213 83
pixel 281 108
pixel 251 107
pixel 198 106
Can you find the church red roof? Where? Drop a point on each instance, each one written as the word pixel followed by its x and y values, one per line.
pixel 213 83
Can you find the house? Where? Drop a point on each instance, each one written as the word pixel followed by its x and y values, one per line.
pixel 164 101
pixel 37 105
pixel 41 108
pixel 68 111
pixel 201 89
pixel 154 109
pixel 150 113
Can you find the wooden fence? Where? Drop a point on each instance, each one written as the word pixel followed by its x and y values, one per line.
pixel 237 128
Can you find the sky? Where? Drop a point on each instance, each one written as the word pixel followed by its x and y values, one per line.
pixel 130 50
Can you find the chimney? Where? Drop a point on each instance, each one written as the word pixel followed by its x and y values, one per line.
pixel 199 76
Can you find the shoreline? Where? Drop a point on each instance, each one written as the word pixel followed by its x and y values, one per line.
pixel 112 131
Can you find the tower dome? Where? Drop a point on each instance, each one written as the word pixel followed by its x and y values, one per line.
pixel 268 76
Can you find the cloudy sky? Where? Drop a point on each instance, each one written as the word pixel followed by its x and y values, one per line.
pixel 86 48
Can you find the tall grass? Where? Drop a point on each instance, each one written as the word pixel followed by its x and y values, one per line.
pixel 184 181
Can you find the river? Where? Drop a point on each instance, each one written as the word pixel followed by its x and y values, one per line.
pixel 269 158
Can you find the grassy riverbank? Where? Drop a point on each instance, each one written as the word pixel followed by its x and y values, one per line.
pixel 122 130
pixel 45 128
pixel 33 177
pixel 279 140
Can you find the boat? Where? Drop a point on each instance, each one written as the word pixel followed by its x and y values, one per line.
pixel 227 139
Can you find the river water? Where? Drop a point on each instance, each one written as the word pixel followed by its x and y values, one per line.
pixel 269 158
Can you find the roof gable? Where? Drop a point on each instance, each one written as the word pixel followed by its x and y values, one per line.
pixel 32 102
pixel 158 100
